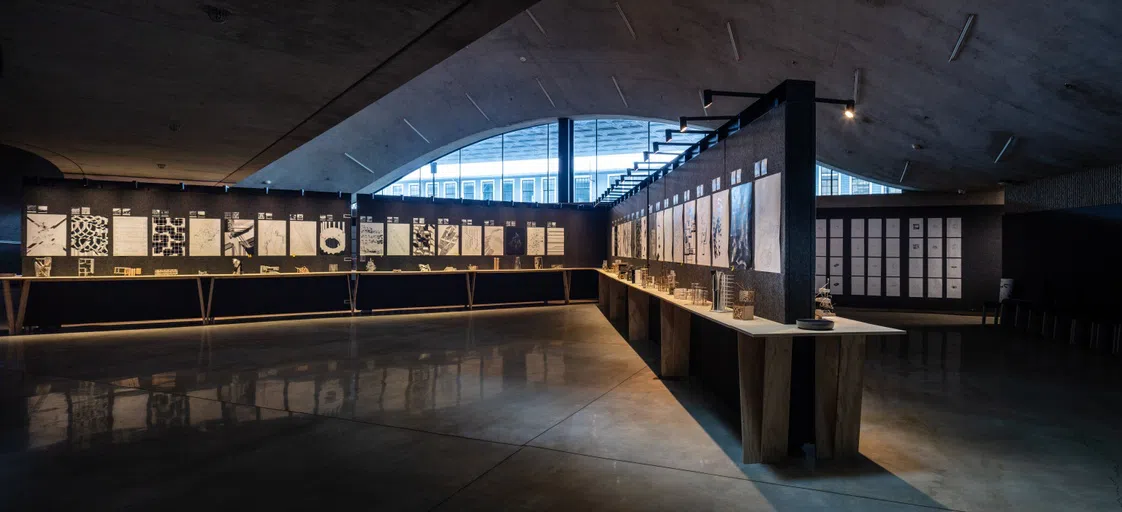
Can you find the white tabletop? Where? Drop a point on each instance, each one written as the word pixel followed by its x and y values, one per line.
pixel 761 327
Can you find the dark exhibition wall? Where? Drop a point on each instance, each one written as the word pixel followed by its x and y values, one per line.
pixel 189 229
pixel 918 258
pixel 1065 258
pixel 403 233
pixel 745 204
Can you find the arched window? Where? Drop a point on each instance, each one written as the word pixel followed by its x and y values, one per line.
pixel 521 165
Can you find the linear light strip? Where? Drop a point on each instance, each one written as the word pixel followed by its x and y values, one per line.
pixel 1008 144
pixel 626 21
pixel 620 91
pixel 546 93
pixel 907 163
pixel 962 37
pixel 415 130
pixel 360 164
pixel 535 20
pixel 732 39
pixel 472 100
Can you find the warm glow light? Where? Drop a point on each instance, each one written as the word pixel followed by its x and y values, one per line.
pixel 849 113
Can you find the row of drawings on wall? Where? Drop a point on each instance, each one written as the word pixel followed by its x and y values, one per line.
pixel 737 229
pixel 94 235
pixel 401 239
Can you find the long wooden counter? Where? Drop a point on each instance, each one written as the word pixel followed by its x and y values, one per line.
pixel 765 354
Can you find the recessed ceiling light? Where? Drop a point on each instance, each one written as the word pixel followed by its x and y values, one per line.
pixel 523 59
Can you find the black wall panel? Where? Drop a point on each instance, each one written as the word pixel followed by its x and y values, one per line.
pixel 981 255
pixel 584 226
pixel 101 197
pixel 1066 258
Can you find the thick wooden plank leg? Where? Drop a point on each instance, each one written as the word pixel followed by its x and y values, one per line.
pixel 567 281
pixel 24 292
pixel 675 340
pixel 825 395
pixel 638 315
pixel 750 352
pixel 603 294
pixel 617 302
pixel 765 397
pixel 851 365
pixel 777 398
pixel 9 311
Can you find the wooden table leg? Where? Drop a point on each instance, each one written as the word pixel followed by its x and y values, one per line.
pixel 603 294
pixel 638 315
pixel 354 295
pixel 675 340
pixel 471 278
pixel 8 310
pixel 617 302
pixel 567 280
pixel 210 301
pixel 825 395
pixel 24 292
pixel 202 302
pixel 765 397
pixel 350 293
pixel 851 365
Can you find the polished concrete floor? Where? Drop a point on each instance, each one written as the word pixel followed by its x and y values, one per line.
pixel 534 409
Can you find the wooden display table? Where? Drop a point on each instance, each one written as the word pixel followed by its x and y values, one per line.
pixel 68 301
pixel 765 358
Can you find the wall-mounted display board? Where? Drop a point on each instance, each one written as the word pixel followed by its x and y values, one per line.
pixel 740 206
pixel 104 228
pixel 946 257
pixel 405 233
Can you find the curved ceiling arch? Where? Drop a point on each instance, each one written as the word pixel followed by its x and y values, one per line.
pixel 1033 69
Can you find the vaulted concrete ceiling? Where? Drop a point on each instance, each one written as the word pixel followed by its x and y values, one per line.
pixel 210 91
pixel 1044 71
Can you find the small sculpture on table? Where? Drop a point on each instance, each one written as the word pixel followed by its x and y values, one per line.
pixel 449 269
pixel 237 267
pixel 302 270
pixel 370 266
pixel 823 303
pixel 85 267
pixel 43 267
pixel 518 263
pixel 538 263
pixel 473 268
pixel 332 267
pixel 166 272
pixel 424 267
pixel 267 269
pixel 745 306
pixel 496 267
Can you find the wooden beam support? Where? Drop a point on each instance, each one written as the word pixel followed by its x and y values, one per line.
pixel 638 315
pixel 765 397
pixel 674 330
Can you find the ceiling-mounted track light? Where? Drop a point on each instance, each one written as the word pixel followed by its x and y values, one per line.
pixel 1008 145
pixel 670 133
pixel 707 95
pixel 683 122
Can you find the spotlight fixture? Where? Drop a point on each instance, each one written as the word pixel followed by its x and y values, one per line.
pixel 707 95
pixel 849 112
pixel 683 122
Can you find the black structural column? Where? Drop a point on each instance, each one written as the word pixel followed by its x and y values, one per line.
pixel 565 160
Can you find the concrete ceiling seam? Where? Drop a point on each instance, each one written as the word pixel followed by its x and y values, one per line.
pixel 890 57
